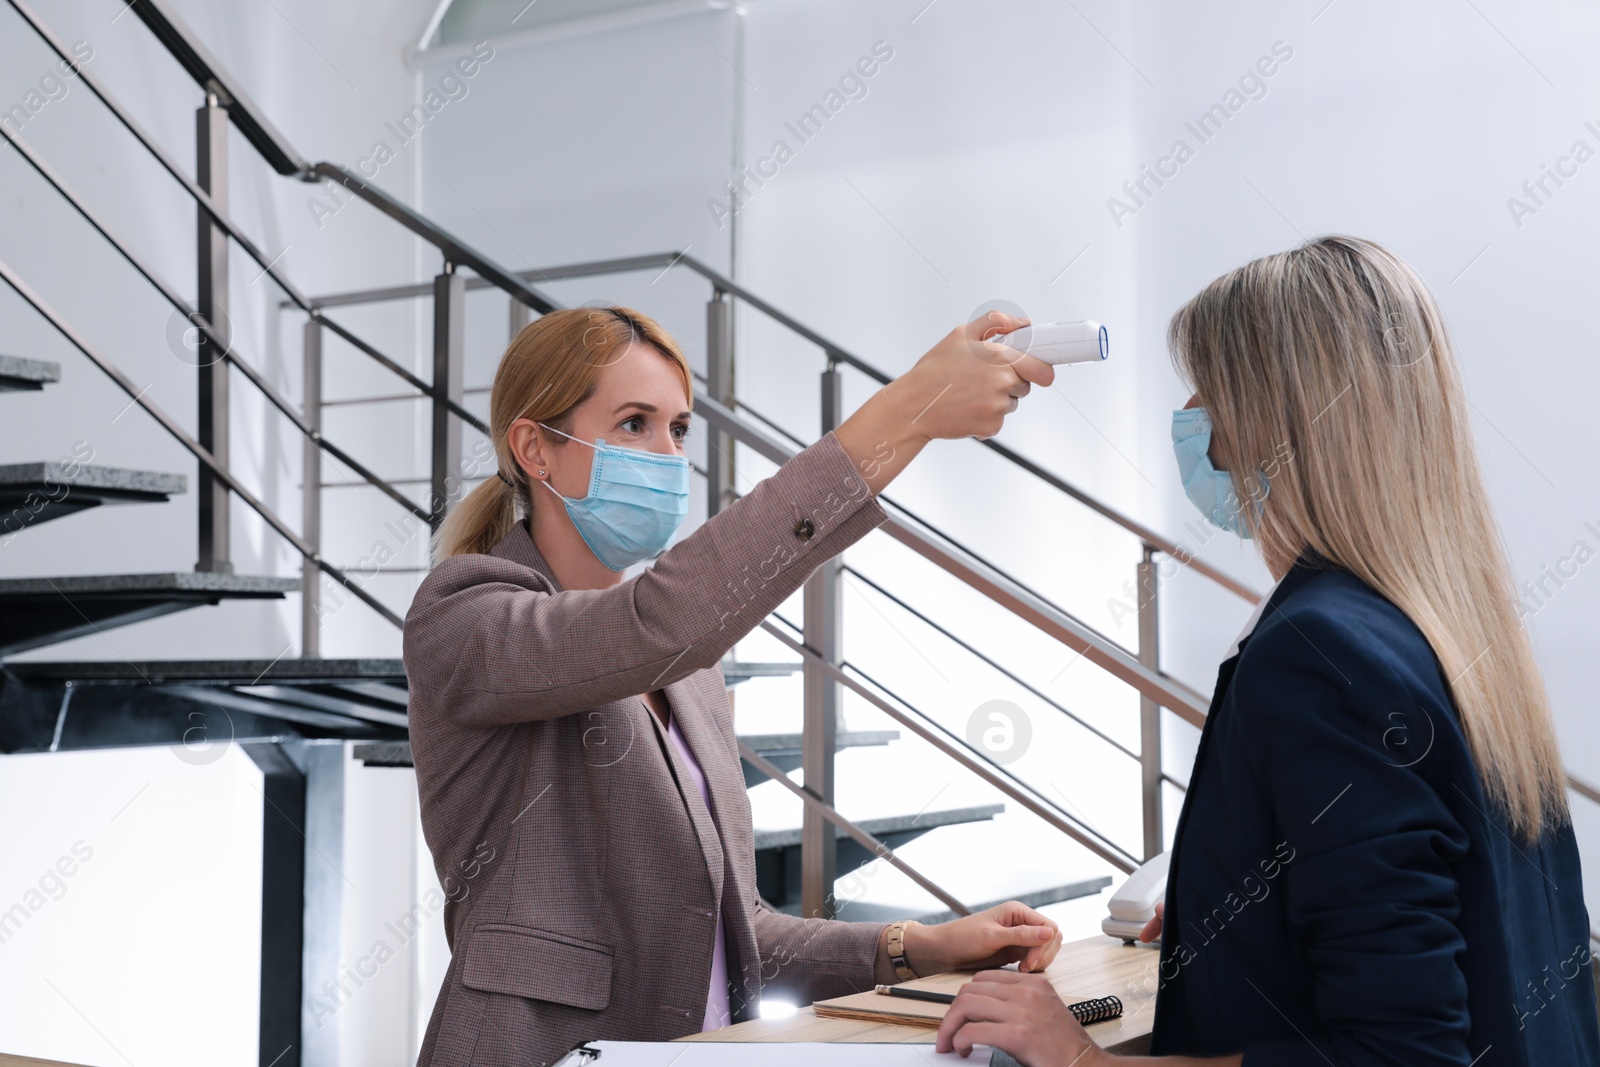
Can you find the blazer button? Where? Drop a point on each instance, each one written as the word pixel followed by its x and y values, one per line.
pixel 804 529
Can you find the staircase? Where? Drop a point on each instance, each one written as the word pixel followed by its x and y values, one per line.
pixel 49 707
pixel 46 611
pixel 295 716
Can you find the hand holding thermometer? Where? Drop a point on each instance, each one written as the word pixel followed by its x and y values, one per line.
pixel 1059 342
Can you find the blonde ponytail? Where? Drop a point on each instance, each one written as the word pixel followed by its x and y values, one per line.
pixel 479 521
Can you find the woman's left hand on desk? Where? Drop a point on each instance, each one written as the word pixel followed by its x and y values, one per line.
pixel 1007 933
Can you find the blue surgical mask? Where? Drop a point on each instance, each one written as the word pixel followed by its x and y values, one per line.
pixel 1209 489
pixel 636 502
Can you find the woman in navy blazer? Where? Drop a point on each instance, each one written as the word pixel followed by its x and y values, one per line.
pixel 1374 863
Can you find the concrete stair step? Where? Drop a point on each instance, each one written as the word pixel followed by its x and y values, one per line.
pixel 782 749
pixel 868 911
pixel 26 375
pixel 885 827
pixel 735 671
pixel 31 493
pixel 57 706
pixel 785 750
pixel 35 612
pixel 778 848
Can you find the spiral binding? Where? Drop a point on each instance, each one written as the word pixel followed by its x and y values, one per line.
pixel 1094 1011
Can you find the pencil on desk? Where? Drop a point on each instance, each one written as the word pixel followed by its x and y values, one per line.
pixel 915 994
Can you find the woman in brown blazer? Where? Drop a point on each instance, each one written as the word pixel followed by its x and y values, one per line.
pixel 580 783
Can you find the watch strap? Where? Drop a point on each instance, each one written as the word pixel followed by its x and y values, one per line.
pixel 897 950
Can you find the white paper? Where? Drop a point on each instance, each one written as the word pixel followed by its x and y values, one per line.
pixel 774 1054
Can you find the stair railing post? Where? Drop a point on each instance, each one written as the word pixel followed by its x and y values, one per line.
pixel 211 173
pixel 311 494
pixel 449 344
pixel 720 387
pixel 1149 710
pixel 520 315
pixel 823 625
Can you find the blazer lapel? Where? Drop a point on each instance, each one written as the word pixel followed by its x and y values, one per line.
pixel 687 713
pixel 703 730
pixel 707 743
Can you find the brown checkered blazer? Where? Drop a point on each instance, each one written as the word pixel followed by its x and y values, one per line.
pixel 582 872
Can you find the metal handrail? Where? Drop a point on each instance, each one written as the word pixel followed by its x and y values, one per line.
pixel 1583 788
pixel 984 575
pixel 453 248
pixel 968 647
pixel 220 471
pixel 1005 772
pixel 835 354
pixel 1113 742
pixel 211 76
pixel 860 836
pixel 1095 647
pixel 968 550
pixel 972 763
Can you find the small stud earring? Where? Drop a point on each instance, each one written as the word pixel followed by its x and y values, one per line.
pixel 541 474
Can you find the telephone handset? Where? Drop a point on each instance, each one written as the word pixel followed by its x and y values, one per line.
pixel 1135 903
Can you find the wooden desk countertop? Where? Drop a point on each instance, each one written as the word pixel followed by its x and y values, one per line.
pixel 1083 970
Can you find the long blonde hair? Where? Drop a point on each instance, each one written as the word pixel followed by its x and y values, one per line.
pixel 1329 365
pixel 550 367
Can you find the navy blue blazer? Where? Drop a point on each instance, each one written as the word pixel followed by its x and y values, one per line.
pixel 1341 892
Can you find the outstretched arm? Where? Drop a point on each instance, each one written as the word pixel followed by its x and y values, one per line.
pixel 489 644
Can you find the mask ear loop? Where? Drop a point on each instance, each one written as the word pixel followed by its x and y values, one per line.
pixel 569 437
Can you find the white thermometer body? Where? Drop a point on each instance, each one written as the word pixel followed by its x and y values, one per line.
pixel 1060 342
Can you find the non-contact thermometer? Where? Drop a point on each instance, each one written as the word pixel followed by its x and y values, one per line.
pixel 1060 342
